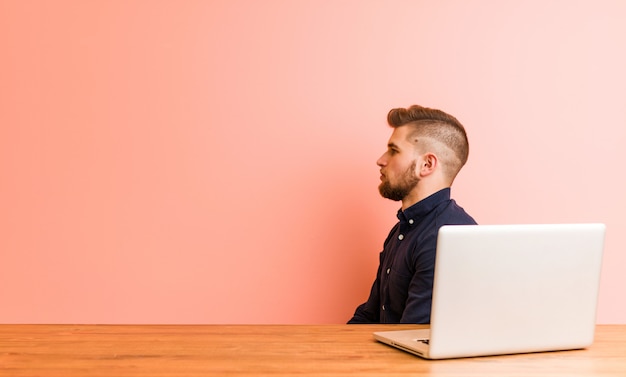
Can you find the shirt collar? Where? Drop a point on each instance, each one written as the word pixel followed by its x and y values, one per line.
pixel 424 206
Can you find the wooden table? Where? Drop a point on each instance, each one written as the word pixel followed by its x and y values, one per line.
pixel 270 350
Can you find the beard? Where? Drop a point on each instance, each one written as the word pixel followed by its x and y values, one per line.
pixel 406 183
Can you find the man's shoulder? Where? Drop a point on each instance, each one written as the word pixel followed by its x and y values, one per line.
pixel 453 214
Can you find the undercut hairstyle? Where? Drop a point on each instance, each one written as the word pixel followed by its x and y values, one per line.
pixel 437 132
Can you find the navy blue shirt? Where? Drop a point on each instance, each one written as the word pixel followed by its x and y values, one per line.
pixel 402 291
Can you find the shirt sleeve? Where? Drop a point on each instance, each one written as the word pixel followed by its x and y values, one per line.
pixel 419 298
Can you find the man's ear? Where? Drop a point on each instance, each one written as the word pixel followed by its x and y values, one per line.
pixel 429 164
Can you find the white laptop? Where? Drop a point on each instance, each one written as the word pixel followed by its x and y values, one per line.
pixel 504 289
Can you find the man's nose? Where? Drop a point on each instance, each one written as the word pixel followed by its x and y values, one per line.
pixel 381 161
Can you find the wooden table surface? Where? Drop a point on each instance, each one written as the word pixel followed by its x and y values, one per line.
pixel 270 350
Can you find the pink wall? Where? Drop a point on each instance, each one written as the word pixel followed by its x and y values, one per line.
pixel 214 161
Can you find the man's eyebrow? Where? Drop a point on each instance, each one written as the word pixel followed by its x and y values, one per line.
pixel 392 145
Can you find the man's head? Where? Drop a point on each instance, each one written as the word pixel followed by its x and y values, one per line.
pixel 427 145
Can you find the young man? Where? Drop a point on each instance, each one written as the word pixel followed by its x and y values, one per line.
pixel 426 151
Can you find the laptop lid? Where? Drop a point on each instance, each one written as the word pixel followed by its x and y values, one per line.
pixel 502 289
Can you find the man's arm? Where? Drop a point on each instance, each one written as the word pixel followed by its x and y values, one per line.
pixel 419 299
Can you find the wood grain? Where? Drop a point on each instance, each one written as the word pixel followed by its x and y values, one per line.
pixel 269 350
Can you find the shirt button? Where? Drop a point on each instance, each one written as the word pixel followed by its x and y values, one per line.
pixel 388 270
pixel 411 221
pixel 401 237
